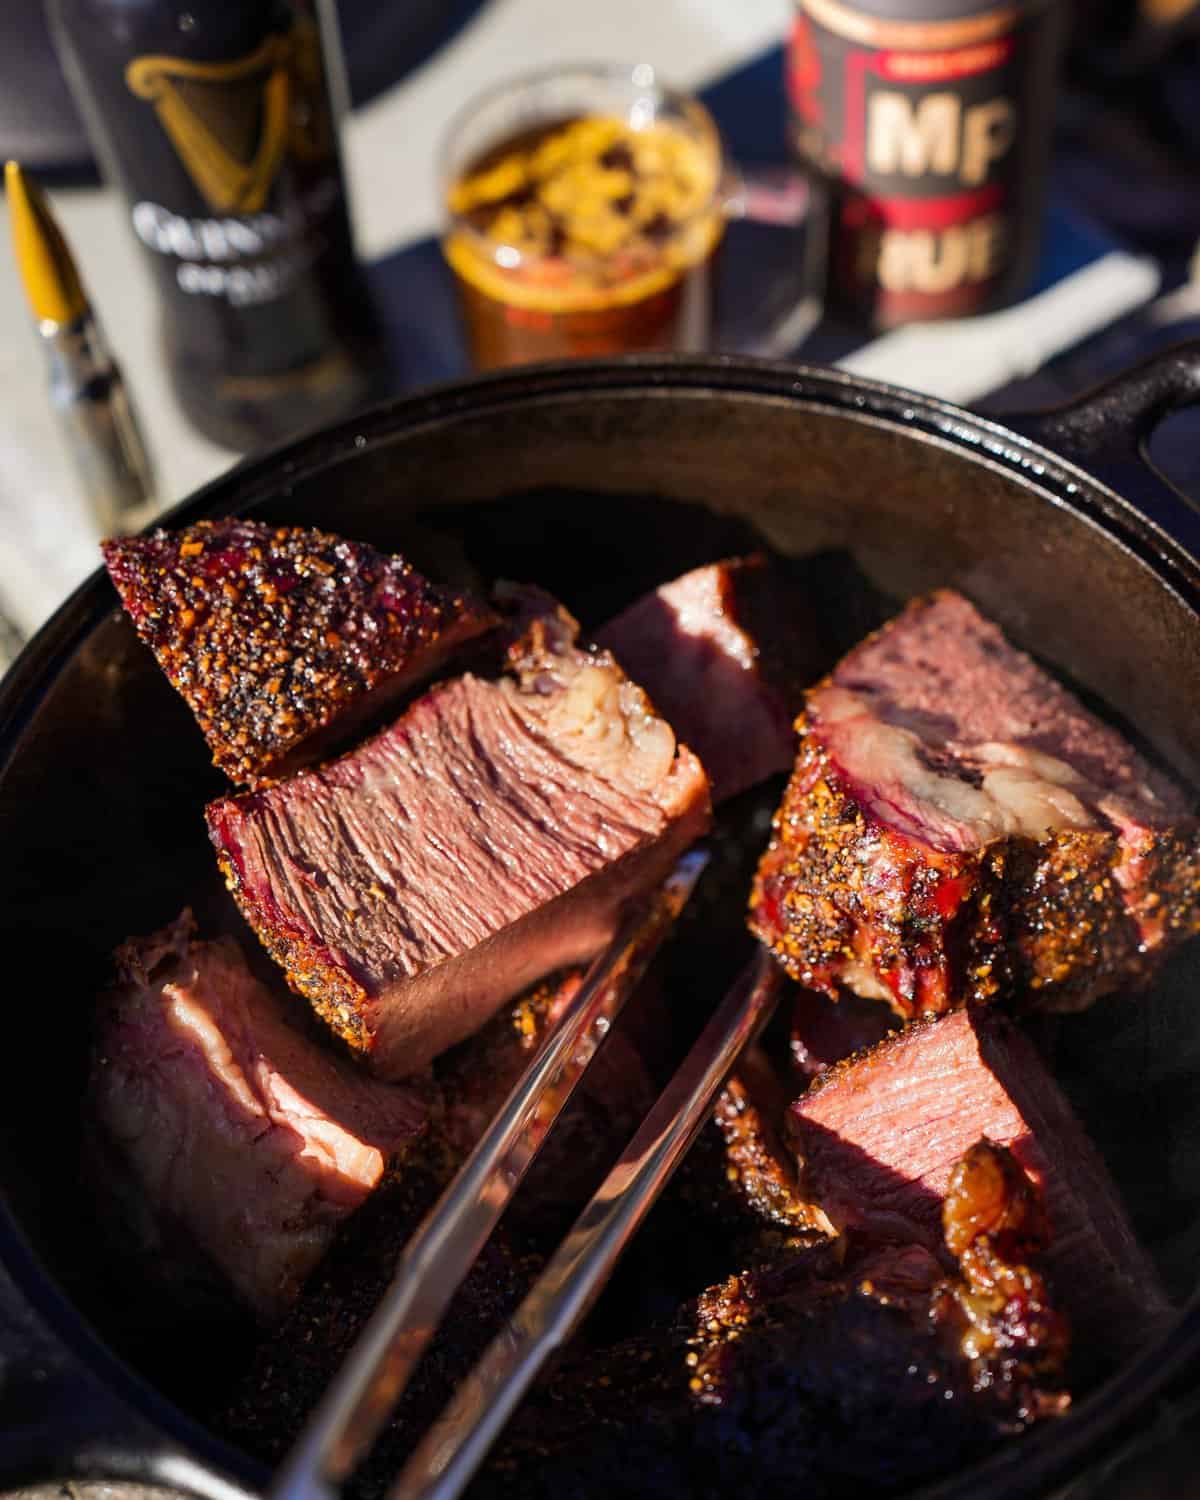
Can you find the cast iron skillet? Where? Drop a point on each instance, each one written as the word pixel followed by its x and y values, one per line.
pixel 640 469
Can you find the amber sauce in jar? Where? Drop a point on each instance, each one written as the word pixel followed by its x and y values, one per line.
pixel 586 236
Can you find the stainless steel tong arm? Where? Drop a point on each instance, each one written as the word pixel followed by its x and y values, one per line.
pixel 448 1241
pixel 453 1448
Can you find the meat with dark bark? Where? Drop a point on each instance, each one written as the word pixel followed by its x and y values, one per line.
pixel 725 652
pixel 219 1136
pixel 998 1309
pixel 814 1374
pixel 758 1168
pixel 878 1137
pixel 282 640
pixel 959 826
pixel 488 837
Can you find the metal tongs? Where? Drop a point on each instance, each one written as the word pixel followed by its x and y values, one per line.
pixel 449 1240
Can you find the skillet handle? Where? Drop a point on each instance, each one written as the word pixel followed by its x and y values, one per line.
pixel 1115 420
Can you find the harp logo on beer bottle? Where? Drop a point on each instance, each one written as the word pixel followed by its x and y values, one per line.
pixel 232 124
pixel 928 136
pixel 230 156
pixel 215 120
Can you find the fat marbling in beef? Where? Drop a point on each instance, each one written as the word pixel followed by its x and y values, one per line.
pixel 958 826
pixel 488 837
pixel 214 1126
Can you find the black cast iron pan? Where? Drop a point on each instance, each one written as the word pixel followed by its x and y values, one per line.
pixel 595 480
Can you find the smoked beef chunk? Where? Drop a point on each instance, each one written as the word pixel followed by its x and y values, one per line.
pixel 820 1373
pixel 878 1136
pixel 488 837
pixel 958 825
pixel 214 1126
pixel 294 1364
pixel 759 1171
pixel 282 639
pixel 998 1309
pixel 725 653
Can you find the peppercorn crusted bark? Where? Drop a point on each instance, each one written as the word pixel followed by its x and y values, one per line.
pixel 877 1135
pixel 826 1369
pixel 958 825
pixel 489 836
pixel 282 639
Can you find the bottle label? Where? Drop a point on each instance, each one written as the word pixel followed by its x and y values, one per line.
pixel 232 126
pixel 922 129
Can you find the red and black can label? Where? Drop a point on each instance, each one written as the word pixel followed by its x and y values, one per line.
pixel 930 137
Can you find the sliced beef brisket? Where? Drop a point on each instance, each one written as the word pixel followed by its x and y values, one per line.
pixel 212 1123
pixel 725 652
pixel 486 838
pixel 878 1136
pixel 282 639
pixel 958 824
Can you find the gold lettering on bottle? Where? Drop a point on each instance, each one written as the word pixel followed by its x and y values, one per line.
pixel 936 135
pixel 913 141
pixel 988 247
pixel 936 261
pixel 988 132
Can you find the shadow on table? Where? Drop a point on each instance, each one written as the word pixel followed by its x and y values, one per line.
pixel 759 287
pixel 385 43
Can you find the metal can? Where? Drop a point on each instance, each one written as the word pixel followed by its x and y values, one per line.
pixel 925 126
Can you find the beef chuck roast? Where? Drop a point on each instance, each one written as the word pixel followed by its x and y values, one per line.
pixel 819 1373
pixel 213 1124
pixel 958 824
pixel 486 838
pixel 282 639
pixel 878 1136
pixel 725 652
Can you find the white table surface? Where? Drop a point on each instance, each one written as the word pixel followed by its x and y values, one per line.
pixel 47 541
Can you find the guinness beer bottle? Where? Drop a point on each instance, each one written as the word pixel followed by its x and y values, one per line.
pixel 214 119
pixel 925 125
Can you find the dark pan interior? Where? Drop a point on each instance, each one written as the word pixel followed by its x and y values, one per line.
pixel 595 494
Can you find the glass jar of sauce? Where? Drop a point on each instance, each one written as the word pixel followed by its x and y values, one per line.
pixel 584 214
